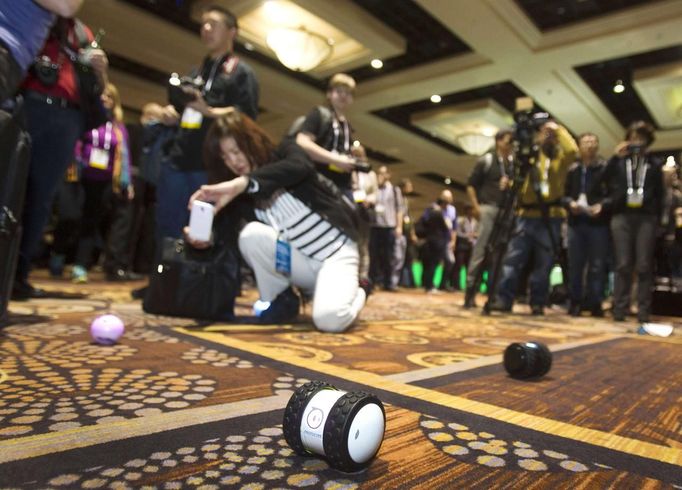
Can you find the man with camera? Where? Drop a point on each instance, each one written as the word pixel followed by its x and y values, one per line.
pixel 325 134
pixel 222 82
pixel 65 80
pixel 23 29
pixel 539 217
pixel 488 180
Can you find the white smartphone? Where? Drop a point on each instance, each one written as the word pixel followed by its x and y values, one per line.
pixel 201 221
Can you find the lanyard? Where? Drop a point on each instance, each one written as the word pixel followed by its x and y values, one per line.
pixel 501 163
pixel 641 170
pixel 211 75
pixel 107 137
pixel 230 65
pixel 545 170
pixel 336 126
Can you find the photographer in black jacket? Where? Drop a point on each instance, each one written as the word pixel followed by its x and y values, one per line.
pixel 222 82
pixel 635 186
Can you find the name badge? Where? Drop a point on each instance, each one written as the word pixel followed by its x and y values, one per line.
pixel 283 258
pixel 191 119
pixel 635 198
pixel 379 208
pixel 582 202
pixel 544 189
pixel 99 158
pixel 359 195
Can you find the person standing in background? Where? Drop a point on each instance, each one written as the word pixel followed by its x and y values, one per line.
pixel 23 29
pixel 489 179
pixel 635 193
pixel 228 83
pixel 588 228
pixel 55 112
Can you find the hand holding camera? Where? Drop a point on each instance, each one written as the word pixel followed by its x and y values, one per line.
pixel 184 90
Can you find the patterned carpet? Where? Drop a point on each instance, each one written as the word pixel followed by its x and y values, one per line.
pixel 178 405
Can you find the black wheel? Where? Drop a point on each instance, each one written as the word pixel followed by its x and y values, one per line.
pixel 337 430
pixel 527 360
pixel 293 414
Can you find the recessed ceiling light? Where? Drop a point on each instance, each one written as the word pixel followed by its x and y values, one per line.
pixel 376 63
pixel 249 47
pixel 356 143
pixel 435 98
pixel 619 88
pixel 447 181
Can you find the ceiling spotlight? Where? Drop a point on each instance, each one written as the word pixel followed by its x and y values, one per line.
pixel 447 181
pixel 376 63
pixel 248 46
pixel 356 144
pixel 619 88
pixel 435 98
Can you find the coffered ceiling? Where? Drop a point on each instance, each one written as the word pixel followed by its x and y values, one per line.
pixel 477 55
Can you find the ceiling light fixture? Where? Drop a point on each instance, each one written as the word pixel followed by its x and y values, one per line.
pixel 299 49
pixel 475 143
pixel 435 98
pixel 619 88
pixel 376 63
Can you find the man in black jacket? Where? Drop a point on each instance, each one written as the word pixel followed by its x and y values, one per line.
pixel 588 227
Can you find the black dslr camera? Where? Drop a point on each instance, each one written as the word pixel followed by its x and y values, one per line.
pixel 181 89
pixel 45 70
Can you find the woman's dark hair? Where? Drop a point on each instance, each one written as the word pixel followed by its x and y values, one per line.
pixel 643 129
pixel 250 138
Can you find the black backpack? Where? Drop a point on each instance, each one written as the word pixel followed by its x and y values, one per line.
pixel 326 117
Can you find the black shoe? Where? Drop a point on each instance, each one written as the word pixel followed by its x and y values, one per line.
pixel 574 309
pixel 597 311
pixel 122 275
pixel 469 303
pixel 618 316
pixel 643 318
pixel 537 310
pixel 139 293
pixel 498 305
pixel 282 310
pixel 22 290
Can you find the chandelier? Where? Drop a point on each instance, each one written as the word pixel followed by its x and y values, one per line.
pixel 475 143
pixel 299 49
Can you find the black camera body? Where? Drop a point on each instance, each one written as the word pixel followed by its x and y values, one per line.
pixel 46 71
pixel 181 89
pixel 527 124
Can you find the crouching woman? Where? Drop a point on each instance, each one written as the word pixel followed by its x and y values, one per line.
pixel 300 232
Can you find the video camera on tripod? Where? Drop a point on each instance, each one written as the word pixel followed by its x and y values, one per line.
pixel 528 122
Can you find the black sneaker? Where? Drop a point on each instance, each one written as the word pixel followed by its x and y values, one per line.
pixel 574 309
pixel 537 310
pixel 283 309
pixel 23 290
pixel 597 311
pixel 498 305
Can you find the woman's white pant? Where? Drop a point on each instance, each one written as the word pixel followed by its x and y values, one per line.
pixel 337 298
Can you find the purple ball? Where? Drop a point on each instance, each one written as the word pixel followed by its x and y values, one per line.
pixel 106 329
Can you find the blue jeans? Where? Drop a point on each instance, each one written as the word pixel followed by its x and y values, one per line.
pixel 54 132
pixel 531 234
pixel 172 195
pixel 588 245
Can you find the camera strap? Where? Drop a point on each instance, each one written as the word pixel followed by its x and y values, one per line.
pixel 228 63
